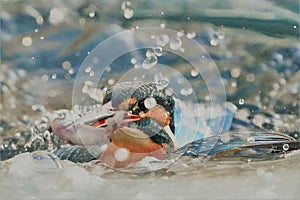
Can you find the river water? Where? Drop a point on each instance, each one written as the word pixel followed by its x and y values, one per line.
pixel 254 45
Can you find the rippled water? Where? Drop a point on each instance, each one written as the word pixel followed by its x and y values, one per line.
pixel 255 45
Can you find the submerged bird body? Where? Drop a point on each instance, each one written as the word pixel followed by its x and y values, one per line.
pixel 137 120
pixel 147 134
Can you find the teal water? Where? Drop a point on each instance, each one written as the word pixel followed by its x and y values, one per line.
pixel 254 44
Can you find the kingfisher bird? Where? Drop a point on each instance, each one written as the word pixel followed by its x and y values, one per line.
pixel 145 126
pixel 139 122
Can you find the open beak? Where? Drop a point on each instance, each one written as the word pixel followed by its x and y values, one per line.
pixel 127 118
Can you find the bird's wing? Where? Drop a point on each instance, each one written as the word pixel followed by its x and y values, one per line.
pixel 245 144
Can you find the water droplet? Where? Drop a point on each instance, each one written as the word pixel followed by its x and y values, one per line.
pixel 186 91
pixel 241 101
pixel 150 103
pixel 221 35
pixel 39 20
pixel 45 78
pixel 175 43
pixel 133 61
pixel 162 39
pixel 66 65
pixel 127 9
pixel 191 35
pixel 149 53
pixel 214 42
pixel 27 41
pixel 111 81
pixel 108 68
pixel 82 21
pixel 251 140
pixel 161 81
pixel 150 62
pixel 285 147
pixel 121 154
pixel 194 72
pixel 158 51
pixel 95 60
pixel 92 14
pixel 92 73
pixel 180 33
pixel 258 120
pixel 128 13
pixel 71 71
pixel 136 66
pixel 58 15
pixel 225 138
pixel 88 69
pixel 250 77
pixel 235 72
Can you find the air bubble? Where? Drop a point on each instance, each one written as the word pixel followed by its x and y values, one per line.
pixel 150 62
pixel 175 43
pixel 53 76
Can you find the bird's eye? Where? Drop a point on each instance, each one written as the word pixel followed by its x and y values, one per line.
pixel 141 105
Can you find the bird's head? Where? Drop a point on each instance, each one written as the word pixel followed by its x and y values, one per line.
pixel 152 110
